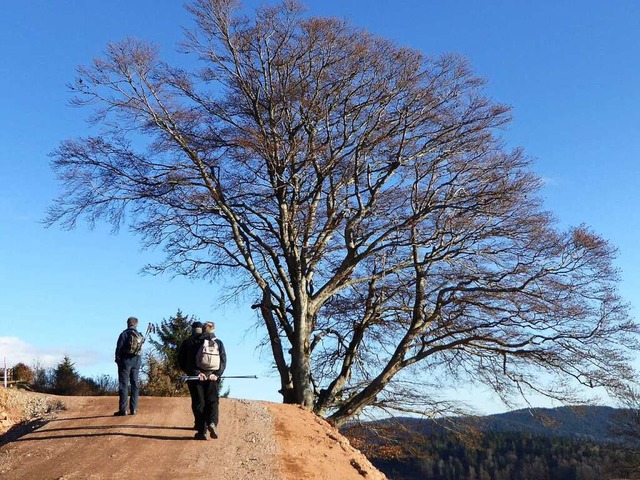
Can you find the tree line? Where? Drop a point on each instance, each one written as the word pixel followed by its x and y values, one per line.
pixel 160 372
pixel 62 379
pixel 498 456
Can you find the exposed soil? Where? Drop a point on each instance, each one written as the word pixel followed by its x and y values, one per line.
pixel 258 440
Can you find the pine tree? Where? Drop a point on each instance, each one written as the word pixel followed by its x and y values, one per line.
pixel 65 377
pixel 161 365
pixel 172 332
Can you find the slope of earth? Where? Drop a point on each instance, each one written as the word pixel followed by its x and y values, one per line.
pixel 258 440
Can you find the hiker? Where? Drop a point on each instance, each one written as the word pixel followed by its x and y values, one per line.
pixel 210 362
pixel 128 359
pixel 187 363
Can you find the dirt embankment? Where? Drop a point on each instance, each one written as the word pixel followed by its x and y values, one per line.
pixel 81 439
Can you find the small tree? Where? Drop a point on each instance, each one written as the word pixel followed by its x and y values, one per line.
pixel 105 385
pixel 23 373
pixel 171 333
pixel 161 365
pixel 66 379
pixel 159 380
pixel 42 378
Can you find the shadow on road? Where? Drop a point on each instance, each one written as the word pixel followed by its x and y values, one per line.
pixel 108 434
pixel 16 433
pixel 21 429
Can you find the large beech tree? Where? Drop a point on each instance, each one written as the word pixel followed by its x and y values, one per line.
pixel 361 191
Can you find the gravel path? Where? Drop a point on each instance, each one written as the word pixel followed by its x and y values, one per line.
pixel 87 442
pixel 257 441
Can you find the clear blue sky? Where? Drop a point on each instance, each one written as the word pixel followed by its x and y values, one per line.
pixel 569 69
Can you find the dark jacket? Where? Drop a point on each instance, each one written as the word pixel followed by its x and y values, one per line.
pixel 120 344
pixel 189 351
pixel 187 354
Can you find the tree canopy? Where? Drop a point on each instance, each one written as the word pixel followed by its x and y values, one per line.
pixel 361 192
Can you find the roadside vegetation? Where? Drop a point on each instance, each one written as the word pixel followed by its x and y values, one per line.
pixel 160 375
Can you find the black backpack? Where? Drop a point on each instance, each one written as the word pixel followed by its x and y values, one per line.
pixel 132 343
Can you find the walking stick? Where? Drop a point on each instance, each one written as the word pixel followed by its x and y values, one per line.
pixel 151 328
pixel 184 378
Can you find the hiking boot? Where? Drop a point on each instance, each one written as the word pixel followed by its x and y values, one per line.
pixel 120 414
pixel 213 431
pixel 200 436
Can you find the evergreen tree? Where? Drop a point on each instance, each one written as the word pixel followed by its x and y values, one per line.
pixel 172 332
pixel 65 377
pixel 161 365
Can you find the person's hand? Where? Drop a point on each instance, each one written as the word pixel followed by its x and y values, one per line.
pixel 213 377
pixel 202 377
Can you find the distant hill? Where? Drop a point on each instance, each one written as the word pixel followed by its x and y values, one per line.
pixel 576 443
pixel 594 423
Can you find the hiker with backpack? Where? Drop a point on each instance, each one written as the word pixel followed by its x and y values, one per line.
pixel 128 350
pixel 187 363
pixel 209 365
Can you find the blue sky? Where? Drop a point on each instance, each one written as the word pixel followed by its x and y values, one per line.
pixel 569 69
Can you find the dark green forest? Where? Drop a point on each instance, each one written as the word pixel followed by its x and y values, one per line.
pixel 512 456
pixel 564 445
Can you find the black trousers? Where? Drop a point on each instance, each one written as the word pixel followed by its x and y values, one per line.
pixel 207 399
pixel 193 391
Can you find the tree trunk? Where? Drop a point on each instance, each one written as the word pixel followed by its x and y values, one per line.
pixel 287 389
pixel 301 368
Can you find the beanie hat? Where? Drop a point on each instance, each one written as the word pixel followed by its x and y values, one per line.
pixel 196 327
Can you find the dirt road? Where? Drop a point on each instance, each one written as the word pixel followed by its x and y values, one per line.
pixel 258 440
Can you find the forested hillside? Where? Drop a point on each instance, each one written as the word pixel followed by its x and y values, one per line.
pixel 555 444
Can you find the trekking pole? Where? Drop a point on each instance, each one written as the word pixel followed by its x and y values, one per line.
pixel 151 328
pixel 184 378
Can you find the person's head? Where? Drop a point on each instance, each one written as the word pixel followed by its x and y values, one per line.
pixel 196 327
pixel 208 327
pixel 132 322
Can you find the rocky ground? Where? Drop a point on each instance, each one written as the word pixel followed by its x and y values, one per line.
pixel 22 409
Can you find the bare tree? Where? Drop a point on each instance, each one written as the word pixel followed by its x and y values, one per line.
pixel 361 191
